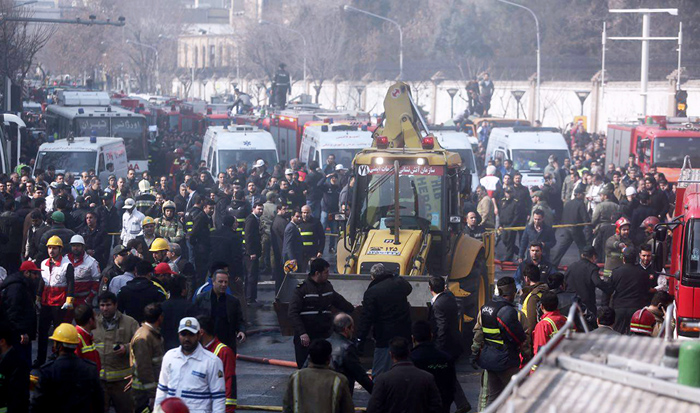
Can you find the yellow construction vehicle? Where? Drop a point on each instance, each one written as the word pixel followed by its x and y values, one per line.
pixel 407 214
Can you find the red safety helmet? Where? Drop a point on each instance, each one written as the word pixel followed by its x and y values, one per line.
pixel 620 223
pixel 28 266
pixel 174 405
pixel 643 322
pixel 649 223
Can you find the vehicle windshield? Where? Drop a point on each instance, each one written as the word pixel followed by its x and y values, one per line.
pixel 533 160
pixel 219 121
pixel 669 152
pixel 131 129
pixel 75 162
pixel 692 250
pixel 420 196
pixel 231 157
pixel 467 158
pixel 342 156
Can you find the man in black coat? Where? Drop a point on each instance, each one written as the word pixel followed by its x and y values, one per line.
pixel 574 213
pixel 136 294
pixel 253 246
pixel 386 310
pixel 227 246
pixel 279 224
pixel 404 388
pixel 345 358
pixel 292 244
pixel 444 318
pixel 427 356
pixel 14 374
pixel 18 309
pixel 224 309
pixel 630 284
pixel 582 278
pixel 175 309
pixel 509 213
pixel 11 226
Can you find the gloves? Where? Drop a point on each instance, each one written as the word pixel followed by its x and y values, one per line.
pixel 68 305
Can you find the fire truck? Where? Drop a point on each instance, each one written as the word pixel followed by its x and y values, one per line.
pixel 659 141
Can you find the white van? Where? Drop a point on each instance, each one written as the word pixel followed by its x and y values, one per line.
pixel 341 139
pixel 225 146
pixel 461 143
pixel 105 155
pixel 529 148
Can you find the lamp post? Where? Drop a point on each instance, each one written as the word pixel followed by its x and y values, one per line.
pixel 394 22
pixel 148 46
pixel 582 96
pixel 360 89
pixel 517 94
pixel 452 92
pixel 261 21
pixel 537 27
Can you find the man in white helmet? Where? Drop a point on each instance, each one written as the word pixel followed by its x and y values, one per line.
pixel 86 272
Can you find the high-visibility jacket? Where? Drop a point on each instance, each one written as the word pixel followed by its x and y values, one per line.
pixel 550 325
pixel 86 348
pixel 59 282
pixel 86 271
pixel 121 329
pixel 312 236
pixel 228 357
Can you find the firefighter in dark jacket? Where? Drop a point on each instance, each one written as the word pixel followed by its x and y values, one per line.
pixel 498 337
pixel 310 308
pixel 509 215
pixel 312 235
pixel 385 310
pixel 68 383
pixel 630 284
pixel 18 308
pixel 281 86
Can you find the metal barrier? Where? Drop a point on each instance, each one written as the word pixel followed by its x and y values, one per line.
pixel 524 373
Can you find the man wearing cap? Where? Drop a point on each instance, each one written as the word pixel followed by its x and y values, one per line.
pixel 17 305
pixel 131 221
pixel 192 373
pixel 630 202
pixel 86 272
pixel 162 274
pixel 574 213
pixel 115 267
pixel 67 380
pixel 58 228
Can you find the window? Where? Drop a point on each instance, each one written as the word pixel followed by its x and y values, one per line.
pixel 221 56
pixel 212 55
pixel 101 165
pixel 210 154
pixel 312 150
pixel 499 154
pixel 196 57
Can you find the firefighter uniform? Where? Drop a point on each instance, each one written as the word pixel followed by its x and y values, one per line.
pixel 146 356
pixel 86 348
pixel 228 358
pixel 281 86
pixel 313 241
pixel 59 283
pixel 198 379
pixel 310 313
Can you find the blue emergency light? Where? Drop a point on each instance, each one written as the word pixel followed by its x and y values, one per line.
pixel 93 136
pixel 52 138
pixel 81 111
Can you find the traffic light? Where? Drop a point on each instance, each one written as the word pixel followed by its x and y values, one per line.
pixel 681 103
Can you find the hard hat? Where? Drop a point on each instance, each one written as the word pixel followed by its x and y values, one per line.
pixel 168 204
pixel 290 266
pixel 163 268
pixel 172 405
pixel 491 170
pixel 28 266
pixel 144 185
pixel 66 333
pixel 630 190
pixel 148 221
pixel 77 239
pixel 55 241
pixel 621 223
pixel 58 216
pixel 159 244
pixel 650 222
pixel 643 322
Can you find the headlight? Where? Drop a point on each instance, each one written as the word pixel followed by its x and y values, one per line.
pixel 379 160
pixel 420 161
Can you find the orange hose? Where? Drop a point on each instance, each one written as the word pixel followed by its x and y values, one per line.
pixel 264 360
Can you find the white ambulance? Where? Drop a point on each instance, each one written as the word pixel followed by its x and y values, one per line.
pixel 341 139
pixel 461 143
pixel 226 146
pixel 105 155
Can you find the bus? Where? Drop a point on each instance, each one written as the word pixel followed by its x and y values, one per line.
pixel 89 114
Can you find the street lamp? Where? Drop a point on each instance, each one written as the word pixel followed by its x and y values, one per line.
pixel 394 22
pixel 537 27
pixel 148 46
pixel 261 22
pixel 452 92
pixel 360 89
pixel 582 96
pixel 517 94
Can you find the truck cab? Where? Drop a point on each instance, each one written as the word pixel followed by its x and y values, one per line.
pixel 341 139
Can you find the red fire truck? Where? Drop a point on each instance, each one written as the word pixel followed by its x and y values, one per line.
pixel 660 141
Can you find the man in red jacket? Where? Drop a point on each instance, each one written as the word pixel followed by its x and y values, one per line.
pixel 227 356
pixel 550 324
pixel 85 320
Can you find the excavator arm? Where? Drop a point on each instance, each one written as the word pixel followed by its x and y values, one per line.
pixel 403 125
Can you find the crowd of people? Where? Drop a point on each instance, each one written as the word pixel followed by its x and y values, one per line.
pixel 142 273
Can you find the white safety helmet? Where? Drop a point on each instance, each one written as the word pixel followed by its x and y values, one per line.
pixel 77 239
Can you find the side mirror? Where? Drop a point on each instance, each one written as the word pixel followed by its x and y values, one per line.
pixel 455 219
pixel 339 217
pixel 660 233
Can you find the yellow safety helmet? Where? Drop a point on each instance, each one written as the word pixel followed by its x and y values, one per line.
pixel 159 244
pixel 148 221
pixel 55 241
pixel 66 333
pixel 290 266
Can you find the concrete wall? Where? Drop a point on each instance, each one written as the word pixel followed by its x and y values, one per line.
pixel 618 102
